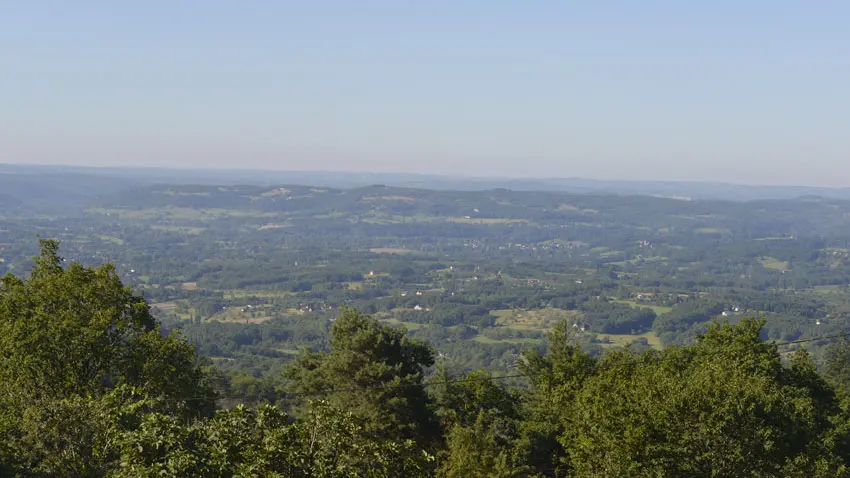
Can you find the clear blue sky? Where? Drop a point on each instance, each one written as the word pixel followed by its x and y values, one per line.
pixel 753 91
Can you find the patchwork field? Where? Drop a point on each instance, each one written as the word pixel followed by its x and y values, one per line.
pixel 536 319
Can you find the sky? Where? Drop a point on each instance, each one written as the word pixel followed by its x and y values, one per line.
pixel 751 92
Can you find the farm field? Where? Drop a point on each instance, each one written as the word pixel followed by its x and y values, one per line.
pixel 621 340
pixel 658 309
pixel 539 319
pixel 774 264
pixel 391 250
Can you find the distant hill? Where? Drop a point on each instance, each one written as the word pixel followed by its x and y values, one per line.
pixel 8 201
pixel 50 183
pixel 54 189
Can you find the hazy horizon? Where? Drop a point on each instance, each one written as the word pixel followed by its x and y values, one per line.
pixel 721 92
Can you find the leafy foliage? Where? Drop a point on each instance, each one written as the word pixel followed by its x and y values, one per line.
pixel 374 371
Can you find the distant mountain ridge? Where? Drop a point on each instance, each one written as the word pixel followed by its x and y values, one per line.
pixel 29 182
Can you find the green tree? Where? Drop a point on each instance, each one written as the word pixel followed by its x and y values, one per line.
pixel 837 365
pixel 79 331
pixel 482 421
pixel 482 449
pixel 724 407
pixel 375 372
pixel 555 380
pixel 69 337
pixel 264 442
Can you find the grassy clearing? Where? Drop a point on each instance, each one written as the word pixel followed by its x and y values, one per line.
pixel 378 220
pixel 276 192
pixel 659 309
pixel 236 316
pixel 112 239
pixel 354 285
pixel 399 323
pixel 376 217
pixel 606 254
pixel 485 220
pixel 392 250
pixel 774 264
pixel 535 319
pixel 487 340
pixel 127 213
pixel 713 230
pixel 218 212
pixel 189 286
pixel 640 260
pixel 188 213
pixel 502 314
pixel 266 227
pixel 164 306
pixel 179 213
pixel 265 294
pixel 330 215
pixel 405 199
pixel 171 192
pixel 188 230
pixel 571 208
pixel 621 340
pixel 828 289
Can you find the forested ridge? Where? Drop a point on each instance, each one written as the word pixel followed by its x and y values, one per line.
pixel 92 385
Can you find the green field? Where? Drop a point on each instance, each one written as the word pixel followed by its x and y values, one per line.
pixel 535 319
pixel 180 213
pixel 235 315
pixel 713 230
pixel 485 220
pixel 391 250
pixel 487 340
pixel 399 323
pixel 354 285
pixel 192 231
pixel 621 340
pixel 112 239
pixel 828 289
pixel 659 309
pixel 266 294
pixel 774 264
